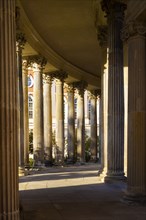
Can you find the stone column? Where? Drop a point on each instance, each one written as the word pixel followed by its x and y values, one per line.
pixel 81 86
pixel 115 16
pixel 26 118
pixel 71 124
pixel 38 62
pixel 9 197
pixel 20 42
pixel 102 38
pixel 93 124
pixel 60 76
pixel 135 33
pixel 47 107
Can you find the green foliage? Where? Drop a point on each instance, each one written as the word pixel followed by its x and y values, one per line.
pixel 31 142
pixel 31 162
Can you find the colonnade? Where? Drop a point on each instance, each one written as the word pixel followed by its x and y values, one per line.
pixel 42 128
pixel 12 109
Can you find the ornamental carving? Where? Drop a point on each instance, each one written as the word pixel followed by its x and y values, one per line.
pixel 24 65
pixel 70 88
pixel 47 79
pixel 94 93
pixel 113 8
pixel 38 59
pixel 81 87
pixel 132 29
pixel 20 39
pixel 60 75
pixel 102 35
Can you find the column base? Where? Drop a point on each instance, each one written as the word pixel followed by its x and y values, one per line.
pixel 21 171
pixel 132 199
pixel 112 179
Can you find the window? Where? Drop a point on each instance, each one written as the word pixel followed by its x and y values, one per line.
pixel 75 106
pixel 30 81
pixel 30 106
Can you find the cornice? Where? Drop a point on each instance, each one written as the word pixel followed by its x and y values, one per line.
pixel 38 44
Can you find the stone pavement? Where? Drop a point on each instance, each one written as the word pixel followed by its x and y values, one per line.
pixel 74 193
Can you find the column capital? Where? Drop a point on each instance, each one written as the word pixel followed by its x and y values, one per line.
pixel 102 35
pixel 47 79
pixel 81 86
pixel 20 39
pixel 113 8
pixel 133 28
pixel 70 87
pixel 93 94
pixel 36 61
pixel 24 65
pixel 60 75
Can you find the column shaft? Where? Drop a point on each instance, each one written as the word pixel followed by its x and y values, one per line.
pixel 80 129
pixel 20 108
pixel 59 120
pixel 71 125
pixel 136 111
pixel 9 199
pixel 38 147
pixel 26 118
pixel 115 14
pixel 93 131
pixel 47 119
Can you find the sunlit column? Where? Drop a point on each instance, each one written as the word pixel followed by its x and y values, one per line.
pixel 81 86
pixel 93 124
pixel 47 107
pixel 26 118
pixel 20 42
pixel 71 123
pixel 135 34
pixel 60 77
pixel 38 63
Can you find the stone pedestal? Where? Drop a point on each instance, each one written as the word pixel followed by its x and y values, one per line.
pixel 47 107
pixel 135 34
pixel 81 86
pixel 9 198
pixel 71 124
pixel 115 15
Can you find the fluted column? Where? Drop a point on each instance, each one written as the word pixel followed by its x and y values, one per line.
pixel 81 86
pixel 38 62
pixel 71 124
pixel 60 77
pixel 47 103
pixel 9 198
pixel 93 124
pixel 102 38
pixel 26 118
pixel 115 16
pixel 135 34
pixel 20 42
